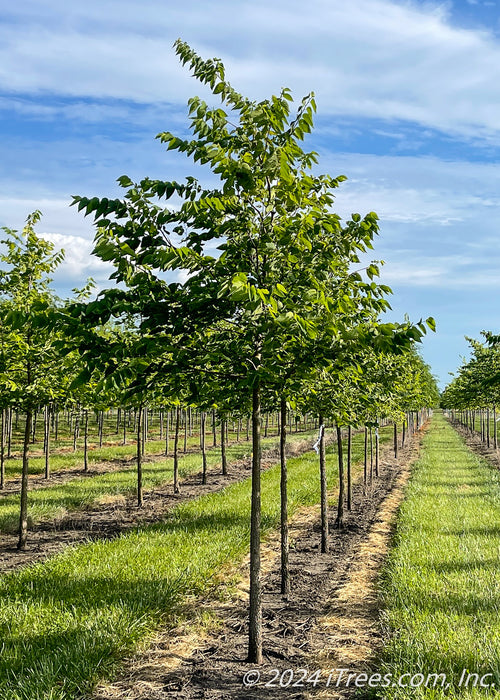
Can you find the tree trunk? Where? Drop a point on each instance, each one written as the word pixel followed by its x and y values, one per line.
pixel 33 436
pixel 377 451
pixel 176 450
pixel 255 608
pixel 23 516
pixel 371 454
pixel 76 430
pixel 2 449
pixel 86 441
pixel 46 426
pixel 340 509
pixel 139 456
pixel 185 430
pixel 167 431
pixel 285 571
pixel 365 469
pixel 144 430
pixel 349 475
pixel 495 443
pixel 323 488
pixel 223 424
pixel 203 448
pixel 395 440
pixel 101 427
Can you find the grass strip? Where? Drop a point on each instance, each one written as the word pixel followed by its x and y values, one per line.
pixel 67 459
pixel 441 586
pixel 78 493
pixel 67 623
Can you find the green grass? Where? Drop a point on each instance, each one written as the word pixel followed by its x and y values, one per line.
pixel 78 493
pixel 441 587
pixel 67 459
pixel 68 622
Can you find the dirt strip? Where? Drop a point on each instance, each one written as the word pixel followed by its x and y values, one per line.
pixel 329 621
pixel 114 515
pixel 477 445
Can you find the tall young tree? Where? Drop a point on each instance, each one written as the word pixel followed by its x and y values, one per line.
pixel 29 366
pixel 280 249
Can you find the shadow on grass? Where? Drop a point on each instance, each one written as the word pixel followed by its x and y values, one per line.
pixel 88 619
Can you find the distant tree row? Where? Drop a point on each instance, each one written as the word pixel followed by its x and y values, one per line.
pixel 474 393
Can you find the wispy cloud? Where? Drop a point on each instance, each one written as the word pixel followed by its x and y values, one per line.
pixel 368 58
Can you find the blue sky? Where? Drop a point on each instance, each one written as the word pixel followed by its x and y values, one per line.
pixel 408 100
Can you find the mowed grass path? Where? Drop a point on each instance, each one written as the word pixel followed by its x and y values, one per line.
pixel 441 587
pixel 68 622
pixel 55 501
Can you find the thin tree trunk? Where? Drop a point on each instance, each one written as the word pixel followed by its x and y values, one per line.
pixel 176 450
pixel 203 448
pixel 139 456
pixel 371 454
pixel 76 430
pixel 377 450
pixel 340 509
pixel 285 571
pixel 223 445
pixel 144 430
pixel 185 430
pixel 255 608
pixel 214 429
pixel 46 426
pixel 323 487
pixel 395 440
pixel 33 436
pixel 2 449
pixel 495 443
pixel 349 475
pixel 23 516
pixel 167 437
pixel 365 469
pixel 101 427
pixel 86 441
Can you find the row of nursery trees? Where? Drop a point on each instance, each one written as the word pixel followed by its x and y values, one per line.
pixel 472 397
pixel 246 296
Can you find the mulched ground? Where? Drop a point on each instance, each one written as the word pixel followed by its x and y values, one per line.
pixel 329 620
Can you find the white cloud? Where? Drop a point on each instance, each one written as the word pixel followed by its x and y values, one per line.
pixel 78 264
pixel 411 189
pixel 441 273
pixel 372 58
